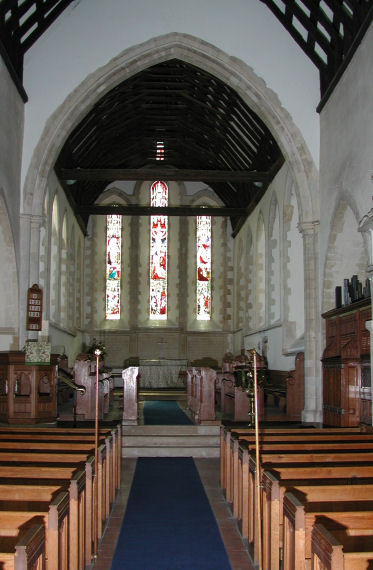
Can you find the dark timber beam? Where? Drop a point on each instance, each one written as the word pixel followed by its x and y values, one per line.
pixel 111 174
pixel 134 210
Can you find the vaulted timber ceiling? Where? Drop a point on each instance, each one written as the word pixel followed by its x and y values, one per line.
pixel 208 134
pixel 328 31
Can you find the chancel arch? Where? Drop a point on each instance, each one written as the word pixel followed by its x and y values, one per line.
pixel 253 92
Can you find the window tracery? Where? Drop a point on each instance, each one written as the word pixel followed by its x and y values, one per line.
pixel 158 252
pixel 203 268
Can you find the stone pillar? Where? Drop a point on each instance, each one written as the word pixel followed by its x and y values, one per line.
pixel 312 412
pixel 29 274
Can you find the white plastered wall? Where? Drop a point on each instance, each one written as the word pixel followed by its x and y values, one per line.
pixel 346 167
pixel 281 337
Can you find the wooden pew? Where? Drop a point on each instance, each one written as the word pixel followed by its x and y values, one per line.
pixel 18 439
pixel 112 435
pixel 81 500
pixel 285 442
pixel 344 505
pixel 248 504
pixel 26 551
pixel 333 550
pixel 111 441
pixel 276 483
pixel 43 491
pixel 55 516
pixel 227 431
pixel 38 464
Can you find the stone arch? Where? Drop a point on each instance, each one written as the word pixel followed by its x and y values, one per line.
pixel 234 72
pixel 345 244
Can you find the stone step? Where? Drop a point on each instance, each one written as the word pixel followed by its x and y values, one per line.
pixel 171 452
pixel 171 430
pixel 171 441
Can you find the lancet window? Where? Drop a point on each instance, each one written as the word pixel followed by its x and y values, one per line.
pixel 203 268
pixel 158 252
pixel 113 266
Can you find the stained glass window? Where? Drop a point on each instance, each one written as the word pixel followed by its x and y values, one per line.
pixel 158 253
pixel 203 268
pixel 159 155
pixel 113 265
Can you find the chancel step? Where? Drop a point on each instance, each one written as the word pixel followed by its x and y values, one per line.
pixel 170 441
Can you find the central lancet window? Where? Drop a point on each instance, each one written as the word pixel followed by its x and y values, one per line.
pixel 113 265
pixel 203 268
pixel 158 252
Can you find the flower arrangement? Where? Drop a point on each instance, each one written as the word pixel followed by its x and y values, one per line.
pixel 95 344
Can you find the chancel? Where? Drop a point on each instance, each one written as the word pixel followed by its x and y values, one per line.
pixel 187 189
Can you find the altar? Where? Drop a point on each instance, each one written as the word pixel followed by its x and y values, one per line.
pixel 162 373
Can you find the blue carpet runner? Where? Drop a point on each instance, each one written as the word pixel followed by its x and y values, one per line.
pixel 168 523
pixel 164 412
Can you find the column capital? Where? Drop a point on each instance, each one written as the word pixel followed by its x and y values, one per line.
pixel 366 222
pixel 33 219
pixel 308 228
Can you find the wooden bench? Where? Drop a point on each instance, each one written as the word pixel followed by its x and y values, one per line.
pixel 55 516
pixel 248 503
pixel 333 550
pixel 80 494
pixel 79 440
pixel 344 505
pixel 226 432
pixel 64 447
pixel 274 488
pixel 26 551
pixel 51 464
pixel 44 490
pixel 285 442
pixel 113 441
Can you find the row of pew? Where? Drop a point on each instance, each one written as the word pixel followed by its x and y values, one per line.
pixel 54 498
pixel 315 495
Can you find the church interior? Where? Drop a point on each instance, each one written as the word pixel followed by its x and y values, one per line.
pixel 186 224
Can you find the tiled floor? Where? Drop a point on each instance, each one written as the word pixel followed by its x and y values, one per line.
pixel 209 473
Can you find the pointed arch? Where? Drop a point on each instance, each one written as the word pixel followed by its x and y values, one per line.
pixel 347 254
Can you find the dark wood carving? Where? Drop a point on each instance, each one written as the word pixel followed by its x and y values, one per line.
pixel 346 366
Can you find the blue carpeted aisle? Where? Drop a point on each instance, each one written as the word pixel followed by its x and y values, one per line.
pixel 169 524
pixel 164 412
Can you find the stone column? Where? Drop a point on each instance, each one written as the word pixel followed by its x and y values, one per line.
pixel 312 412
pixel 29 274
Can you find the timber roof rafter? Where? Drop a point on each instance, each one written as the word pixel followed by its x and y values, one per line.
pixel 208 132
pixel 328 31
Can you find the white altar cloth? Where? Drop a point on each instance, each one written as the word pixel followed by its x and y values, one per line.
pixel 162 373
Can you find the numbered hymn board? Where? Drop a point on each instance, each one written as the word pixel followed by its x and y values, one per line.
pixel 34 308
